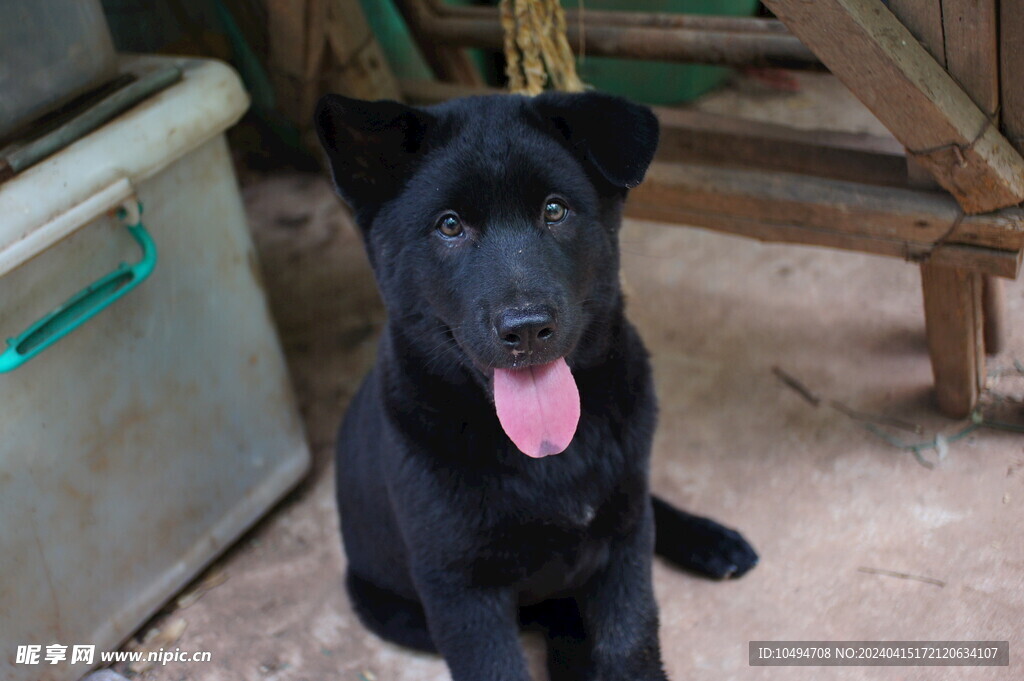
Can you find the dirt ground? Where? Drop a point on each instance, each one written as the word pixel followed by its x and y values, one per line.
pixel 859 540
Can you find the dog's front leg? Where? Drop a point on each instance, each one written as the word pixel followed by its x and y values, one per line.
pixel 476 630
pixel 620 614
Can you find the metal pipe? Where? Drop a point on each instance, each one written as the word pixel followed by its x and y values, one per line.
pixel 630 35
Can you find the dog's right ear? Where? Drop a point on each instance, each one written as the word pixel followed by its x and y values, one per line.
pixel 613 135
pixel 371 146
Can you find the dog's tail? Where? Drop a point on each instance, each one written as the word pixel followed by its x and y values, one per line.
pixel 700 545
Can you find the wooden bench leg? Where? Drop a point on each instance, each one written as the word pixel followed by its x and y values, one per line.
pixel 994 305
pixel 953 312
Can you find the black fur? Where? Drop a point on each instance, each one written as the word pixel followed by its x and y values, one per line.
pixel 455 538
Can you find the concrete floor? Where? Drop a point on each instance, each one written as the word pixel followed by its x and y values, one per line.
pixel 818 494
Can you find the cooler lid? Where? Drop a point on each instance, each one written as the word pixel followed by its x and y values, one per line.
pixel 45 203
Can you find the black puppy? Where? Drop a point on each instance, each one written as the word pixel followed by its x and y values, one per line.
pixel 492 470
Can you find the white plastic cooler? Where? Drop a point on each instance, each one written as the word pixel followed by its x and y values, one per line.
pixel 140 445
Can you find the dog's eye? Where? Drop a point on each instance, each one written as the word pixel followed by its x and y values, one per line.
pixel 555 211
pixel 450 226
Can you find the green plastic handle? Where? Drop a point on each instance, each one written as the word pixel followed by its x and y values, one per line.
pixel 85 304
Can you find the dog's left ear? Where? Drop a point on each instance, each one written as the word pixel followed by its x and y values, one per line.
pixel 614 135
pixel 372 147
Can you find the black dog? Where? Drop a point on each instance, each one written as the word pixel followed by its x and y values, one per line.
pixel 492 227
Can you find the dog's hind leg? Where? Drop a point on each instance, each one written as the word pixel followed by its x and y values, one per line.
pixel 568 652
pixel 390 616
pixel 700 544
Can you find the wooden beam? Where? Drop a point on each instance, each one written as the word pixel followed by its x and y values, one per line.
pixel 788 208
pixel 864 45
pixel 1011 69
pixel 923 18
pixel 954 324
pixel 735 41
pixel 689 135
pixel 998 262
pixel 903 215
pixel 623 18
pixel 971 37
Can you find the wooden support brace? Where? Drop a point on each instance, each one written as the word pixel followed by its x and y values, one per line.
pixel 356 65
pixel 954 325
pixel 867 48
pixel 319 46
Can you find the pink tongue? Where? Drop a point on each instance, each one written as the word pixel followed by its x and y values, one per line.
pixel 539 407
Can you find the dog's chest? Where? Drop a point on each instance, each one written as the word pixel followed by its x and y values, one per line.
pixel 557 542
pixel 540 558
pixel 582 515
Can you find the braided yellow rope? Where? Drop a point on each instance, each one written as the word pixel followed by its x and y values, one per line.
pixel 513 70
pixel 536 47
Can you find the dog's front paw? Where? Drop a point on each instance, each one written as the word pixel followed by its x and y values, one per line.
pixel 715 551
pixel 700 544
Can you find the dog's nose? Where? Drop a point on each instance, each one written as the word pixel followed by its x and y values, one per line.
pixel 525 330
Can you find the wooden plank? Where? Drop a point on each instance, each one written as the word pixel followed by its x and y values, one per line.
pixel 907 215
pixel 1011 70
pixel 895 77
pixel 990 261
pixel 923 18
pixel 971 46
pixel 953 319
pixel 700 137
